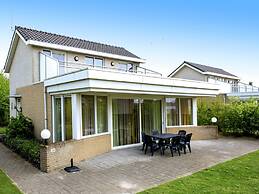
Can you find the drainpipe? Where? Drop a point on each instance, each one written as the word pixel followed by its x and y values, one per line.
pixel 45 108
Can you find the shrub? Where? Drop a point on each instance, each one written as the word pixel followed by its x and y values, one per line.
pixel 239 118
pixel 28 149
pixel 19 137
pixel 20 126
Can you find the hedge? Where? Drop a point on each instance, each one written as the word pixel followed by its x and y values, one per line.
pixel 236 117
pixel 20 138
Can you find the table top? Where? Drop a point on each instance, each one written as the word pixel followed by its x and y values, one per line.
pixel 165 135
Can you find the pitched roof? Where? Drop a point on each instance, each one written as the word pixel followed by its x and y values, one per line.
pixel 46 37
pixel 205 69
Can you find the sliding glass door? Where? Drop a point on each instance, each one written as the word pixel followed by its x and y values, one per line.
pixel 125 122
pixel 151 116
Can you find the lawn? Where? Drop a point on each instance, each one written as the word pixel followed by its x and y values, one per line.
pixel 7 186
pixel 240 175
pixel 2 130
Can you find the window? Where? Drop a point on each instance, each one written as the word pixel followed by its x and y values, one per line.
pixel 89 61
pixel 102 114
pixel 125 67
pixel 88 126
pixel 179 111
pixel 57 118
pixel 62 118
pixel 98 62
pixel 186 111
pixel 94 115
pixel 92 61
pixel 172 111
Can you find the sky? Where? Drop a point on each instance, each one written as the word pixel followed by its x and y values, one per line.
pixel 219 33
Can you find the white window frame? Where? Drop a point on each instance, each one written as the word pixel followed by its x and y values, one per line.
pixel 92 57
pixel 194 114
pixel 95 117
pixel 62 117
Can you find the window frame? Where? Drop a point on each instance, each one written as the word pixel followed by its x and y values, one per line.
pixel 95 117
pixel 179 114
pixel 94 58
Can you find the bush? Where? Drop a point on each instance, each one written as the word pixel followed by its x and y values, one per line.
pixel 20 126
pixel 239 118
pixel 19 137
pixel 28 149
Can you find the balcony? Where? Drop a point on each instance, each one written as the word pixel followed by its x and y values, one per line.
pixel 51 67
pixel 243 88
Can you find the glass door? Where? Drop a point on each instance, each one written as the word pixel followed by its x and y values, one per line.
pixel 151 116
pixel 126 128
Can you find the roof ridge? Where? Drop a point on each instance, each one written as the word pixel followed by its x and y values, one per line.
pixel 71 37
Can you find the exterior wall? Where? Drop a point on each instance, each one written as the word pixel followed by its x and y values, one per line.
pixel 188 73
pixel 20 72
pixel 33 106
pixel 21 69
pixel 198 132
pixel 59 154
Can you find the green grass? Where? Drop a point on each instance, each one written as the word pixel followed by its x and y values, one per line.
pixel 7 186
pixel 240 175
pixel 2 130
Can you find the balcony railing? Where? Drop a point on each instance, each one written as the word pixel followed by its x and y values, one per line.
pixel 50 67
pixel 242 88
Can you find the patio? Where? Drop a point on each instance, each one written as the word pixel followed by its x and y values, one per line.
pixel 126 170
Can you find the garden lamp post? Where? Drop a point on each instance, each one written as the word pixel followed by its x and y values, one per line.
pixel 45 135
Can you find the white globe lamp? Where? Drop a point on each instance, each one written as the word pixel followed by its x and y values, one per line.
pixel 214 120
pixel 45 135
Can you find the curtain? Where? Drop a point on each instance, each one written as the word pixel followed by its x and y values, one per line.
pixel 68 118
pixel 88 127
pixel 172 111
pixel 186 111
pixel 125 122
pixel 102 114
pixel 151 116
pixel 57 115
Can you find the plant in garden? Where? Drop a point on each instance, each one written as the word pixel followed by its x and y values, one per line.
pixel 4 99
pixel 234 118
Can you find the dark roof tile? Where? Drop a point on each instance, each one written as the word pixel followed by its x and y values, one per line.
pixel 205 68
pixel 31 34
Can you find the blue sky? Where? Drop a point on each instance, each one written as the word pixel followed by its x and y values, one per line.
pixel 220 33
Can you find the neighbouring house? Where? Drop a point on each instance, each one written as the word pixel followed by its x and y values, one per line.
pixel 229 84
pixel 93 97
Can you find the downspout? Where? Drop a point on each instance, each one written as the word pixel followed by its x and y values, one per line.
pixel 45 108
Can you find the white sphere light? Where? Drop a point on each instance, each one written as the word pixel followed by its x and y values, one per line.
pixel 45 134
pixel 214 119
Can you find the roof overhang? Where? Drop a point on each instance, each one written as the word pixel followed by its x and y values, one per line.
pixel 201 72
pixel 95 80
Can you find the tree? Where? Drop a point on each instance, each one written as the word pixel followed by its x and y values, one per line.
pixel 4 99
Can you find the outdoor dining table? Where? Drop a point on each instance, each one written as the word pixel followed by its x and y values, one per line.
pixel 165 136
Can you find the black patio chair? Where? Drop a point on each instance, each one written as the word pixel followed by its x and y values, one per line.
pixel 186 142
pixel 182 132
pixel 155 132
pixel 175 145
pixel 164 144
pixel 150 143
pixel 144 142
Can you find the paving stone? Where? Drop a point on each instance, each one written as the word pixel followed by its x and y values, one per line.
pixel 123 171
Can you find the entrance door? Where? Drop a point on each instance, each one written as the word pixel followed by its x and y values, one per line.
pixel 126 128
pixel 151 116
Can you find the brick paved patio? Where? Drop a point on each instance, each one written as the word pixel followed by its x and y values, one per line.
pixel 123 171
